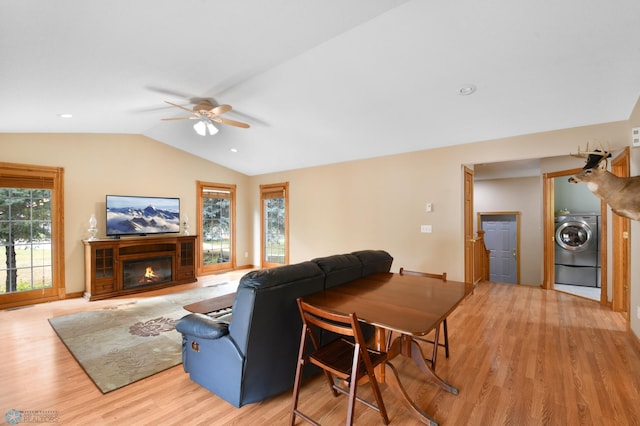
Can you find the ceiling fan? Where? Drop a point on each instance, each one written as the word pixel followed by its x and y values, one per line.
pixel 207 114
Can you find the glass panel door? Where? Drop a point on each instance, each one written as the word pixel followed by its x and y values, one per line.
pixel 31 234
pixel 275 232
pixel 25 238
pixel 216 227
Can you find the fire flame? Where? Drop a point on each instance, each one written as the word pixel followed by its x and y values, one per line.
pixel 149 275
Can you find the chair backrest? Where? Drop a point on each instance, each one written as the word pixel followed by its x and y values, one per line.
pixel 344 325
pixel 347 358
pixel 442 276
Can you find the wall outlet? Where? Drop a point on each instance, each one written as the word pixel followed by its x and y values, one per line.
pixel 638 314
pixel 425 229
pixel 246 254
pixel 635 136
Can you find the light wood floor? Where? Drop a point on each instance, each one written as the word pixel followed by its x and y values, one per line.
pixel 519 355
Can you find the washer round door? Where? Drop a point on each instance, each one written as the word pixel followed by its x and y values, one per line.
pixel 573 236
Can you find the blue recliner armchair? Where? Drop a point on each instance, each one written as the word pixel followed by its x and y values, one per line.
pixel 253 357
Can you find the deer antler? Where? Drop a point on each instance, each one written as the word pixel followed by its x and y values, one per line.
pixel 593 157
pixel 585 154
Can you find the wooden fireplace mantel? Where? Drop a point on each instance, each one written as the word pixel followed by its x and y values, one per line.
pixel 104 261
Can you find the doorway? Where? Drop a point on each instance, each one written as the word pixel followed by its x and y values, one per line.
pixel 216 205
pixel 550 212
pixel 31 234
pixel 502 239
pixel 274 228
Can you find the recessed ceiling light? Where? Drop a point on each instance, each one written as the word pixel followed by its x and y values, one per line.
pixel 233 150
pixel 65 115
pixel 467 89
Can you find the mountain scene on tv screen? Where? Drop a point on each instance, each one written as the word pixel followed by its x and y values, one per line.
pixel 129 220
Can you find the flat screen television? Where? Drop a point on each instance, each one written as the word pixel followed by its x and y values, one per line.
pixel 130 215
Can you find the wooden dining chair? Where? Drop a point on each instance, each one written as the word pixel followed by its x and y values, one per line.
pixel 345 361
pixel 436 341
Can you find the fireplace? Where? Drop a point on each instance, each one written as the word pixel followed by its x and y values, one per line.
pixel 147 272
pixel 119 267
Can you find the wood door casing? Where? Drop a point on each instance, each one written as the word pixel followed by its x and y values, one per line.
pixel 468 225
pixel 549 234
pixel 621 241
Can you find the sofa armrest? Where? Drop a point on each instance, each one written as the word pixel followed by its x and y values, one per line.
pixel 202 326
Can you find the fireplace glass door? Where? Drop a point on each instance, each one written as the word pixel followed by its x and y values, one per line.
pixel 145 272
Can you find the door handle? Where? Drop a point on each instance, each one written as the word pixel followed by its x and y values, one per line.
pixel 514 253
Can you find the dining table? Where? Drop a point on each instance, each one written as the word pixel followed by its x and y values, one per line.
pixel 404 306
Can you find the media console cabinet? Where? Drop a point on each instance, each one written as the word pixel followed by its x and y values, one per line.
pixel 115 267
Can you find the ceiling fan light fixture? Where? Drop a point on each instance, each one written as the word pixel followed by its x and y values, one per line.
pixel 201 128
pixel 211 128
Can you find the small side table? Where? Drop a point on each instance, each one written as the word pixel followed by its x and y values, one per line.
pixel 214 304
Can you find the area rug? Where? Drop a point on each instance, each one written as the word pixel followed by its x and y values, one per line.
pixel 119 345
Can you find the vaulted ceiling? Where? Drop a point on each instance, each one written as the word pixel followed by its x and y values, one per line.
pixel 319 82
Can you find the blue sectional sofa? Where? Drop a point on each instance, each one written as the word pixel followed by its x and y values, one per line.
pixel 253 356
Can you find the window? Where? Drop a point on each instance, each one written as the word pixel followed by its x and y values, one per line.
pixel 216 227
pixel 274 224
pixel 31 234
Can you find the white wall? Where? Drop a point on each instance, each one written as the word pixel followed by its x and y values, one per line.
pixel 380 202
pixel 574 197
pixel 96 165
pixel 374 203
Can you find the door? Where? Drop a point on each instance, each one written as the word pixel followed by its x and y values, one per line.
pixel 274 215
pixel 216 227
pixel 501 240
pixel 31 234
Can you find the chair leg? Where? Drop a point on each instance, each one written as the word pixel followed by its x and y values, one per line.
pixel 296 392
pixel 446 338
pixel 353 387
pixel 436 339
pixel 378 396
pixel 296 382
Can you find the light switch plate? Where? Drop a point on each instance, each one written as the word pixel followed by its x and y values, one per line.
pixel 425 229
pixel 635 137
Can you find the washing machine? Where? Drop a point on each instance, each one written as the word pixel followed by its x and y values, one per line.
pixel 577 253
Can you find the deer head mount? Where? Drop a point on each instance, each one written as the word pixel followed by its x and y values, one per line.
pixel 622 194
pixel 593 157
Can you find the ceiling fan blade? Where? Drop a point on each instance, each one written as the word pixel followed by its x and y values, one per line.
pixel 180 106
pixel 178 118
pixel 230 122
pixel 221 109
